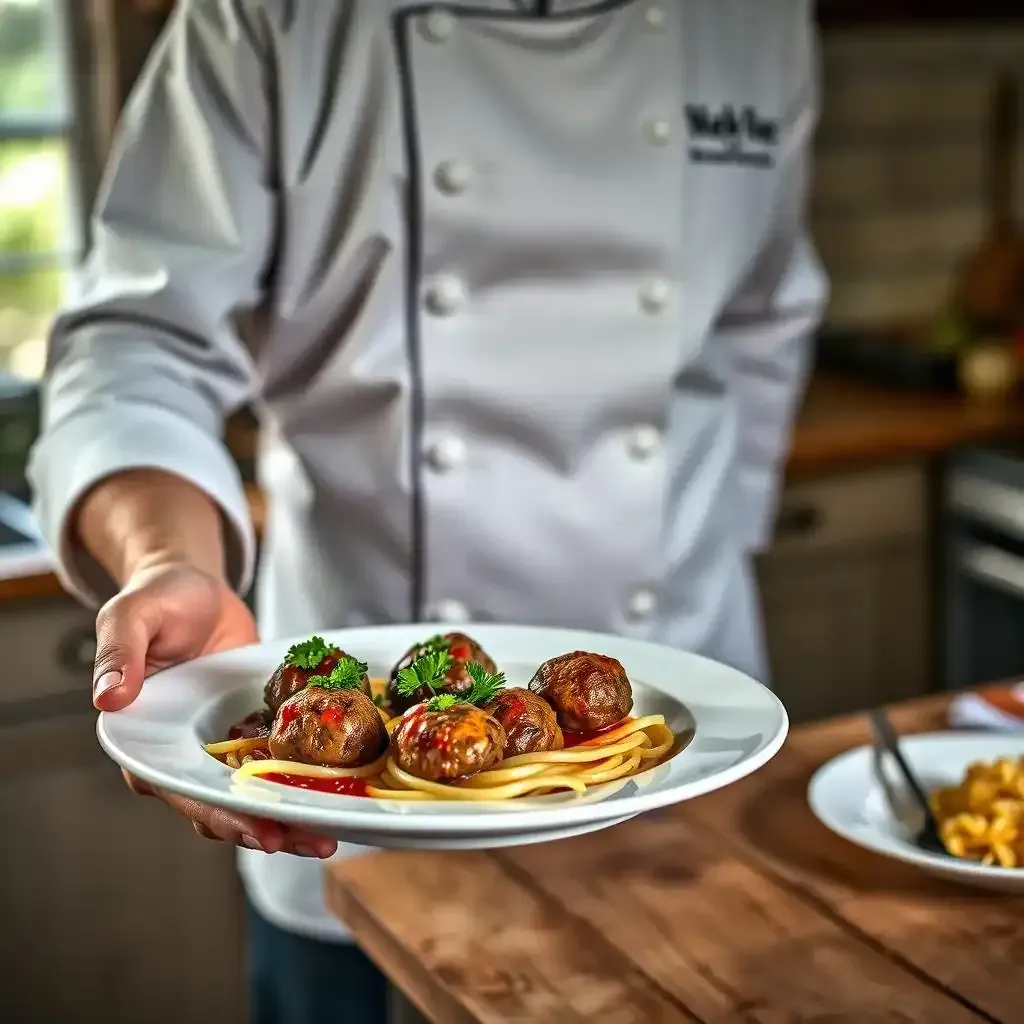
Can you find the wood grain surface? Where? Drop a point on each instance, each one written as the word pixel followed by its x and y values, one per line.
pixel 735 907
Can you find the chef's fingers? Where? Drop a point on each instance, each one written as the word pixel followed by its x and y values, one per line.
pixel 250 832
pixel 124 628
pixel 137 786
pixel 203 831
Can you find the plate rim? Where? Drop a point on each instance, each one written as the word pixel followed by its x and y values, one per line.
pixel 530 818
pixel 897 850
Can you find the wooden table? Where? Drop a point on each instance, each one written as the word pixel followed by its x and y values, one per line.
pixel 735 907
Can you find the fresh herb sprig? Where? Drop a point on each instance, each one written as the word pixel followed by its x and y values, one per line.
pixel 438 642
pixel 310 653
pixel 348 674
pixel 485 684
pixel 443 701
pixel 428 670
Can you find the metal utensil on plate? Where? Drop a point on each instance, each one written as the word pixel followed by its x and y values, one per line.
pixel 886 741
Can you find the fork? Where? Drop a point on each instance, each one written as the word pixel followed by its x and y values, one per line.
pixel 886 740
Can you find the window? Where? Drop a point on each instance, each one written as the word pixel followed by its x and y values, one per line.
pixel 39 227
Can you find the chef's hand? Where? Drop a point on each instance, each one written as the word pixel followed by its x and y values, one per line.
pixel 166 614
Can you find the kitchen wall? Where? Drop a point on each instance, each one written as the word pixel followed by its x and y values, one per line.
pixel 899 192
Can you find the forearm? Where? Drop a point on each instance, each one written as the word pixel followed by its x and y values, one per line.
pixel 142 517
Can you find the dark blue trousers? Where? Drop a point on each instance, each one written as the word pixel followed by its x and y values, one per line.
pixel 295 980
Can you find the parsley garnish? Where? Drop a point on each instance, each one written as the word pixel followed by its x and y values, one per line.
pixel 443 701
pixel 346 675
pixel 430 670
pixel 427 670
pixel 309 653
pixel 485 684
pixel 438 642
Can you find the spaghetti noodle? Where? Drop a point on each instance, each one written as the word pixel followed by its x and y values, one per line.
pixel 617 753
pixel 472 739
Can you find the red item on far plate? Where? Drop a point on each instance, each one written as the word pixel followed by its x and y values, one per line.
pixel 991 707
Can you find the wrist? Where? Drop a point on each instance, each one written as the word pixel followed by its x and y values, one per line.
pixel 139 520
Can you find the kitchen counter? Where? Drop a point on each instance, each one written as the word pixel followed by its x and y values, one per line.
pixel 843 425
pixel 737 906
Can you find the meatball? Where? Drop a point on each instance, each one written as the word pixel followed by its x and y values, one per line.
pixel 334 728
pixel 588 691
pixel 528 720
pixel 443 745
pixel 301 663
pixel 254 726
pixel 457 682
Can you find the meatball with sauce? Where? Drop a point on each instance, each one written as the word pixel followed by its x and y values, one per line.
pixel 529 721
pixel 443 745
pixel 333 728
pixel 254 726
pixel 303 661
pixel 457 681
pixel 588 691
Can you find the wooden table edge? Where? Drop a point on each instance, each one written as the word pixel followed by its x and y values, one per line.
pixel 415 979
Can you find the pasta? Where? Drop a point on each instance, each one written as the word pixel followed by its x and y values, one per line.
pixel 982 817
pixel 626 749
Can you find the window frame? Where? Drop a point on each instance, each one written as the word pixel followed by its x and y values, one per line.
pixel 66 123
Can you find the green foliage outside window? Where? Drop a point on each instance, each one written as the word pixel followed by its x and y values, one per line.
pixel 33 173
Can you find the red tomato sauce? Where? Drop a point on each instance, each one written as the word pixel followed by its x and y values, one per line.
pixel 576 739
pixel 342 787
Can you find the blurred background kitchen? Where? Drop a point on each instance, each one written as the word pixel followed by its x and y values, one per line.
pixel 898 562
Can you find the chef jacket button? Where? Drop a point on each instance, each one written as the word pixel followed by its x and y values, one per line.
pixel 448 610
pixel 446 295
pixel 644 441
pixel 642 605
pixel 438 25
pixel 654 16
pixel 453 176
pixel 654 295
pixel 658 131
pixel 446 453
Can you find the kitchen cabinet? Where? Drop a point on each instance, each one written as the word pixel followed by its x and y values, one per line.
pixel 887 12
pixel 845 591
pixel 113 909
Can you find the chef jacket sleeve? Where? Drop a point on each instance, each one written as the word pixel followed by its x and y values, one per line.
pixel 145 361
pixel 768 328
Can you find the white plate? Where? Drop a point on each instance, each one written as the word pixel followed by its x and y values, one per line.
pixel 849 798
pixel 735 725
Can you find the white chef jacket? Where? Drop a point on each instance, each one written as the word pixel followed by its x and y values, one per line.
pixel 522 297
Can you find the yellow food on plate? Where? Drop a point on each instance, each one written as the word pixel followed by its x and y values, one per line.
pixel 982 818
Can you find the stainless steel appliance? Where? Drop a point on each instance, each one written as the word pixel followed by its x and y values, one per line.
pixel 983 568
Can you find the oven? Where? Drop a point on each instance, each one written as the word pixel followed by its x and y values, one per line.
pixel 983 567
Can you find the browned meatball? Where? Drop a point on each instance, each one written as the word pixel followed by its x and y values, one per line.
pixel 254 726
pixel 334 728
pixel 528 720
pixel 298 668
pixel 443 745
pixel 457 682
pixel 588 691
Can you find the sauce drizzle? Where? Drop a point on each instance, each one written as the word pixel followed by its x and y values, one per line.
pixel 341 787
pixel 577 739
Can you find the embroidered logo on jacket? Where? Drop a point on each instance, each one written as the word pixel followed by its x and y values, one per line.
pixel 731 135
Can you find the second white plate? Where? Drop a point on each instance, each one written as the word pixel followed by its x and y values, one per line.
pixel 847 796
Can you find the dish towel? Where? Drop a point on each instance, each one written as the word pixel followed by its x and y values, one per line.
pixel 994 707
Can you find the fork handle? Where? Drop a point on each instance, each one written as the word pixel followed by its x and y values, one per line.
pixel 887 737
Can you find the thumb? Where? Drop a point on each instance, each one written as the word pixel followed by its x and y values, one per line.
pixel 123 635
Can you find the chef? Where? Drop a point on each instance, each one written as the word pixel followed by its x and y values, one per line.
pixel 522 295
